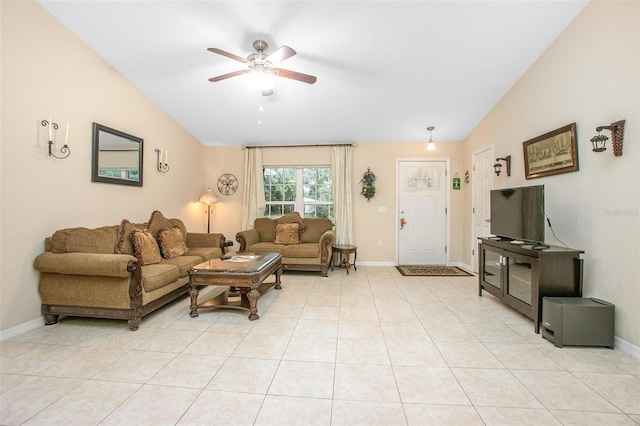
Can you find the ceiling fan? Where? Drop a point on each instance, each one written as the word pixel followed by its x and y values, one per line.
pixel 261 64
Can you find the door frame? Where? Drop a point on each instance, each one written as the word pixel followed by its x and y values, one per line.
pixel 447 195
pixel 475 256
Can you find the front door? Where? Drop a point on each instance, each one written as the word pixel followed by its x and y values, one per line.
pixel 482 184
pixel 422 203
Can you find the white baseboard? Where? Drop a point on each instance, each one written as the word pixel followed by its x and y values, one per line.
pixel 19 329
pixel 463 266
pixel 375 263
pixel 626 347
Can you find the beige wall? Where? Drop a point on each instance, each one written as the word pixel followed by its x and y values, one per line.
pixel 589 76
pixel 48 72
pixel 369 225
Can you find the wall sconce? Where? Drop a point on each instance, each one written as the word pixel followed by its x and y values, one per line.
pixel 163 165
pixel 497 167
pixel 430 145
pixel 617 135
pixel 65 151
pixel 208 197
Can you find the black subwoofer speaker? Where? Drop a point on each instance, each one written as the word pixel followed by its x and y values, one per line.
pixel 576 321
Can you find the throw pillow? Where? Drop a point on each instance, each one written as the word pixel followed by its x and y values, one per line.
pixel 171 242
pixel 180 224
pixel 124 245
pixel 157 221
pixel 145 247
pixel 287 233
pixel 293 218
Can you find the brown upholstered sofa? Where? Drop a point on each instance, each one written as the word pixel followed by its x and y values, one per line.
pixel 310 251
pixel 115 272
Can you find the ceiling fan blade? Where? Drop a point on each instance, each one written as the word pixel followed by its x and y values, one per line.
pixel 281 54
pixel 228 75
pixel 305 78
pixel 227 54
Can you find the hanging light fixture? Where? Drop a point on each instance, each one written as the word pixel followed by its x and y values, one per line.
pixel 430 145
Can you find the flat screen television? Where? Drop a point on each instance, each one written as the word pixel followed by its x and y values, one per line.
pixel 518 213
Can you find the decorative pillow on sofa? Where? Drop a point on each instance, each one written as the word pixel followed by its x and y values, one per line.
pixel 145 247
pixel 124 245
pixel 287 233
pixel 171 242
pixel 180 224
pixel 157 221
pixel 293 218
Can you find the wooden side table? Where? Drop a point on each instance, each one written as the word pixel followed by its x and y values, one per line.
pixel 344 250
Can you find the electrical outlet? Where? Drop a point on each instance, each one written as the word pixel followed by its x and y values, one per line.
pixel 379 243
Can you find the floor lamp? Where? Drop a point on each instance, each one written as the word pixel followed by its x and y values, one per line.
pixel 208 197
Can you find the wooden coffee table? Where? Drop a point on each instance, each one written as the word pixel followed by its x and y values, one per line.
pixel 242 273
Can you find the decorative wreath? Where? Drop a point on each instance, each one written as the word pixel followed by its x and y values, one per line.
pixel 368 183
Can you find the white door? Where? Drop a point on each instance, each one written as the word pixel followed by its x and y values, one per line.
pixel 422 202
pixel 482 184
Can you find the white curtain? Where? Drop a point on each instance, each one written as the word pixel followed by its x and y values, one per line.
pixel 253 202
pixel 341 171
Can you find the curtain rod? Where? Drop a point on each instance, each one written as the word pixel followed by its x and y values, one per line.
pixel 301 146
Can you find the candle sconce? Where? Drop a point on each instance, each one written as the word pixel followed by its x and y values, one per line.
pixel 163 166
pixel 64 151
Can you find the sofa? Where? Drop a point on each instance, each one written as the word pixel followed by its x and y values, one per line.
pixel 122 271
pixel 305 244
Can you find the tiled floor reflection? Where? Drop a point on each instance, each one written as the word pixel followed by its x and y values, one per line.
pixel 371 347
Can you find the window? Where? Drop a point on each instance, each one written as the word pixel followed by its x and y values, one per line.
pixel 119 174
pixel 306 190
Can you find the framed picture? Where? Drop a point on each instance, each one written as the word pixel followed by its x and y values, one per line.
pixel 552 153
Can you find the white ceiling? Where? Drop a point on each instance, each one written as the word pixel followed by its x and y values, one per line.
pixel 386 69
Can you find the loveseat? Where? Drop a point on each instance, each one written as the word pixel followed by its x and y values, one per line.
pixel 305 244
pixel 122 271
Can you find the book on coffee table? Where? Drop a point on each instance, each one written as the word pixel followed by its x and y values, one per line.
pixel 241 258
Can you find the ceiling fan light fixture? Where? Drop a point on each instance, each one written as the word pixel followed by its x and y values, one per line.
pixel 260 67
pixel 260 80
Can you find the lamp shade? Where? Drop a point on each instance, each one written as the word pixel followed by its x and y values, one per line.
pixel 208 197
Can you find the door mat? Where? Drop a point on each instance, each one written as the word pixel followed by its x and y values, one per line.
pixel 432 271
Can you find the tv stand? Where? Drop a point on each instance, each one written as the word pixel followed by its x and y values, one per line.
pixel 521 275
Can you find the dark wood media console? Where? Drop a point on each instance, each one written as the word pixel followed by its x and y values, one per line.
pixel 521 276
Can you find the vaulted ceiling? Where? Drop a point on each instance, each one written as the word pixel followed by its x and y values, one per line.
pixel 386 70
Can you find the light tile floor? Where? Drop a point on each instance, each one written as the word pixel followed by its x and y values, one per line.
pixel 371 347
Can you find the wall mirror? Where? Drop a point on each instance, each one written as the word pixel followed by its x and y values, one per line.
pixel 117 157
